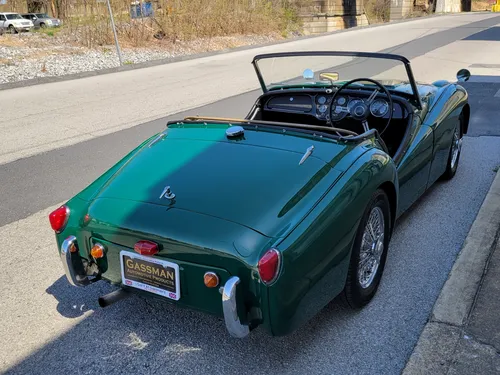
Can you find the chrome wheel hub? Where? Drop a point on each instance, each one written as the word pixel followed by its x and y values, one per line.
pixel 455 147
pixel 372 247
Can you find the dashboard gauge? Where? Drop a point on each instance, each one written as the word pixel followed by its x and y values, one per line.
pixel 341 100
pixel 322 108
pixel 379 108
pixel 338 109
pixel 337 113
pixel 321 100
pixel 352 103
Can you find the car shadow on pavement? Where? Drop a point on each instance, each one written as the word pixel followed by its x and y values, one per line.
pixel 70 303
pixel 141 334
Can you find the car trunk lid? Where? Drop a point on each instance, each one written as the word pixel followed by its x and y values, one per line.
pixel 255 181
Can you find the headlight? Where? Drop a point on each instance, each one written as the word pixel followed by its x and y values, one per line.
pixel 49 22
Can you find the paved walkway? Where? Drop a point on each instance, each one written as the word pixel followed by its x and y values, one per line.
pixel 463 335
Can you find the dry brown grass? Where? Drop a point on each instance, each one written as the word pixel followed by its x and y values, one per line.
pixel 481 5
pixel 4 61
pixel 12 40
pixel 377 11
pixel 87 23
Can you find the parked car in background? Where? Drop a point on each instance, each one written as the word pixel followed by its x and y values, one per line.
pixel 42 20
pixel 14 22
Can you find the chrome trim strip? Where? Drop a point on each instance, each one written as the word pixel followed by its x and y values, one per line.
pixel 156 140
pixel 229 306
pixel 67 262
pixel 308 153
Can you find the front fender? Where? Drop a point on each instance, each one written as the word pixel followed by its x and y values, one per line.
pixel 449 102
pixel 316 254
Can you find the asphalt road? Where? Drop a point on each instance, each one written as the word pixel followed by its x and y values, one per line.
pixel 51 327
pixel 66 113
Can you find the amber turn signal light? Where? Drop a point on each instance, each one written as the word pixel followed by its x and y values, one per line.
pixel 211 280
pixel 97 251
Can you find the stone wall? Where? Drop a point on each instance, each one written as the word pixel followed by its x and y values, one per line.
pixel 322 16
pixel 322 24
pixel 448 6
pixel 400 9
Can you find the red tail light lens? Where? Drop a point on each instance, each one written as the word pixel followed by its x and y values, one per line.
pixel 146 247
pixel 59 218
pixel 269 265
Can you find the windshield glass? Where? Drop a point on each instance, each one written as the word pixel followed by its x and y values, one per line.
pixel 324 70
pixel 13 16
pixel 42 15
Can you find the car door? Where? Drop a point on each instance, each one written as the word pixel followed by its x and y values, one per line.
pixel 414 166
pixel 35 20
pixel 443 118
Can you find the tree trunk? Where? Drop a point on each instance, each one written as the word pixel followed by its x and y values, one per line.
pixel 53 9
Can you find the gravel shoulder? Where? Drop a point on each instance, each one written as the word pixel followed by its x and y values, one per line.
pixel 44 54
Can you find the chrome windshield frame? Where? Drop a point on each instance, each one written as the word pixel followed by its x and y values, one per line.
pixel 376 55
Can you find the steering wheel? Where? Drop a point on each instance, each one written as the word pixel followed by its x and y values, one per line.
pixel 361 110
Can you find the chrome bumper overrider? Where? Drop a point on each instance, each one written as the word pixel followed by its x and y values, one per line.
pixel 229 306
pixel 70 260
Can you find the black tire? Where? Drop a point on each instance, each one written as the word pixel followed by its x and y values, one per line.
pixel 354 293
pixel 452 166
pixel 42 25
pixel 12 29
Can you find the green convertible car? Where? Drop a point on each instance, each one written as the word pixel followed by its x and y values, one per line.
pixel 264 220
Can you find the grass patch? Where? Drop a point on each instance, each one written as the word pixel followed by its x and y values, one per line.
pixel 6 62
pixel 88 24
pixel 482 5
pixel 12 40
pixel 377 11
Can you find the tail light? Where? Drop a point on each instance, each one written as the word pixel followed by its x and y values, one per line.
pixel 146 247
pixel 269 265
pixel 59 218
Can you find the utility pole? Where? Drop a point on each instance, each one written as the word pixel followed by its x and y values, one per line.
pixel 114 32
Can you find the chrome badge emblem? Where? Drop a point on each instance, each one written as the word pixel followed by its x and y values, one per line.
pixel 167 193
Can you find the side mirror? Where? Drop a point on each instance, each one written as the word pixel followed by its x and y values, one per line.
pixel 463 75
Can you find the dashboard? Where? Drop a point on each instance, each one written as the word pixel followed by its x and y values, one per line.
pixel 317 104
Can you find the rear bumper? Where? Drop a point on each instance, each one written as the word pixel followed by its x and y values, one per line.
pixel 76 274
pixel 23 28
pixel 72 262
pixel 230 308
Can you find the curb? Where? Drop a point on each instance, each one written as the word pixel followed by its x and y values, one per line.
pixel 169 60
pixel 436 345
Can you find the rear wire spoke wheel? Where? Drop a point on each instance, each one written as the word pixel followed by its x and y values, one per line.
pixel 369 252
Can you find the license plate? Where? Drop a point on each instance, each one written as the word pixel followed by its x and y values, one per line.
pixel 153 275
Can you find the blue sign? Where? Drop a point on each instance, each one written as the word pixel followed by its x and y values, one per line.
pixel 137 12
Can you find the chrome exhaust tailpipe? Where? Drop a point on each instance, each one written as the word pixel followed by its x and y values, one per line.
pixel 113 297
